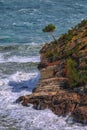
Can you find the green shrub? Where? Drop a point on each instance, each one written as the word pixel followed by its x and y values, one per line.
pixel 83 22
pixel 52 55
pixel 67 36
pixel 50 29
pixel 72 73
pixel 82 76
pixel 76 77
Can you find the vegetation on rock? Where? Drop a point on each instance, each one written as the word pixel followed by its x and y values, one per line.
pixel 71 72
pixel 63 68
pixel 50 29
pixel 71 47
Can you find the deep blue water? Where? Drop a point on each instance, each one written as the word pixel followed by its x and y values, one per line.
pixel 21 21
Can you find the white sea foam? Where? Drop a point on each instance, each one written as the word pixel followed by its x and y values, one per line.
pixel 24 59
pixel 1 83
pixel 16 116
pixel 4 37
pixel 19 59
pixel 16 85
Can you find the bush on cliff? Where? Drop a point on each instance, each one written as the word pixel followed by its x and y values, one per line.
pixel 77 77
pixel 50 29
pixel 71 72
pixel 71 47
pixel 83 22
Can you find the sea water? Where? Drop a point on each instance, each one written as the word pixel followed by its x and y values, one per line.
pixel 21 38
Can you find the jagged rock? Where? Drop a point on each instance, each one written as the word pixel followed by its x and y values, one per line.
pixel 61 102
pixel 83 101
pixel 80 114
pixel 63 83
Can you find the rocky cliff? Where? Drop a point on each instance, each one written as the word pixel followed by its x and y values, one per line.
pixel 63 83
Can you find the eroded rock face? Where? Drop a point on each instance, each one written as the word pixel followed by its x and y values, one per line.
pixel 61 102
pixel 51 93
pixel 59 67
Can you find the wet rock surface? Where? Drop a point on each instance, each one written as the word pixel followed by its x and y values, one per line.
pixel 61 102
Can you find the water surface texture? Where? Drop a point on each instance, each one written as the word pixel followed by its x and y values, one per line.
pixel 21 37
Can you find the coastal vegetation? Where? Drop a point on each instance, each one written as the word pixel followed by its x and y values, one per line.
pixel 72 47
pixel 50 29
pixel 63 83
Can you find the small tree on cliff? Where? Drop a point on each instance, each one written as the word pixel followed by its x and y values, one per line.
pixel 50 29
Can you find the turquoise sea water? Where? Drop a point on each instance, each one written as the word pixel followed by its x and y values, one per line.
pixel 21 21
pixel 21 37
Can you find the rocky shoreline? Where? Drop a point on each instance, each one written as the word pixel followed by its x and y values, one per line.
pixel 53 90
pixel 61 101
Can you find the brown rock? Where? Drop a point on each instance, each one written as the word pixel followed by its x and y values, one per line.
pixel 80 114
pixel 55 77
pixel 61 102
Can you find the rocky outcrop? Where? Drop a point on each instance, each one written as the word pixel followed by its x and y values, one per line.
pixel 61 102
pixel 63 83
pixel 80 114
